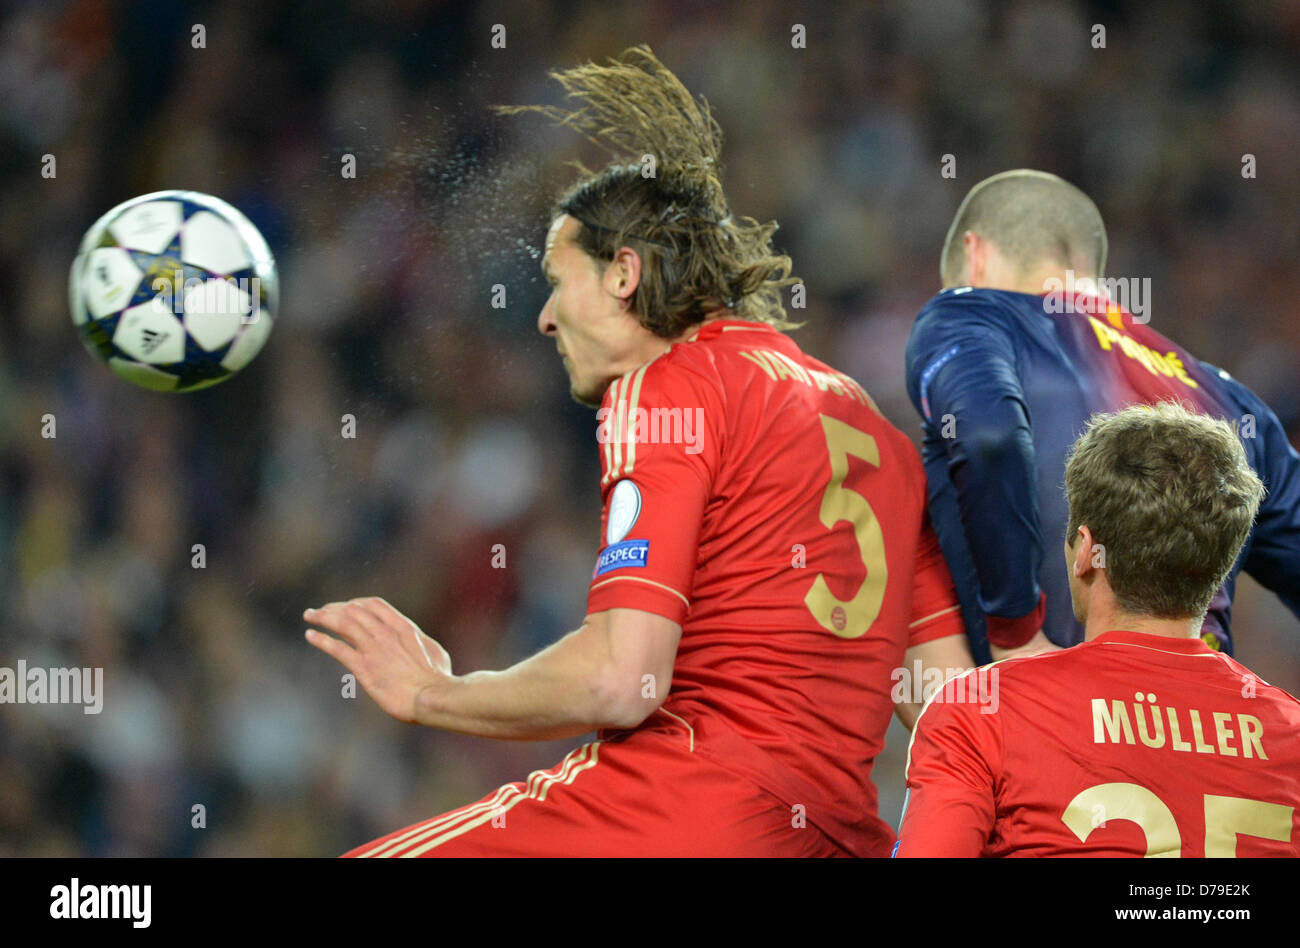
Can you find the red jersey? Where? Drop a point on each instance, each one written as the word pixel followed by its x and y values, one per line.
pixel 1126 745
pixel 757 497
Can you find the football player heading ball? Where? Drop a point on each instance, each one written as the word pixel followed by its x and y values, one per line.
pixel 757 582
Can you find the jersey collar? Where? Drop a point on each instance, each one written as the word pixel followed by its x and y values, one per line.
pixel 1161 643
pixel 716 327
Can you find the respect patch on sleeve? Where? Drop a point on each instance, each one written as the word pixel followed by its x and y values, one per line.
pixel 629 553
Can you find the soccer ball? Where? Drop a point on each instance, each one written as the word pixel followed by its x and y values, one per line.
pixel 175 290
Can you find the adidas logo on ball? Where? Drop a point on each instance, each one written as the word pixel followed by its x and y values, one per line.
pixel 152 340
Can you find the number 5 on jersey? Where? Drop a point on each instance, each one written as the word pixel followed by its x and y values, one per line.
pixel 850 619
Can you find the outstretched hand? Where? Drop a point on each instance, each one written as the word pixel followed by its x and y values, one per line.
pixel 393 660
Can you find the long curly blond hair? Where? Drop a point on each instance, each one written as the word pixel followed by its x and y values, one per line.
pixel 662 195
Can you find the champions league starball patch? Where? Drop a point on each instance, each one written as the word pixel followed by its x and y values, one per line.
pixel 624 508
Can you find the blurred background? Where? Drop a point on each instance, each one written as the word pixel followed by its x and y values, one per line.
pixel 465 434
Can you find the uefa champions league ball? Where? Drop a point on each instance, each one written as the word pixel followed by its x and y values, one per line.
pixel 175 290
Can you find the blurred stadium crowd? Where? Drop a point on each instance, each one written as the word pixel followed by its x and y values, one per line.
pixel 464 433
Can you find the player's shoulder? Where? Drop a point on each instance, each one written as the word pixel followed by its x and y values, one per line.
pixel 1024 680
pixel 1254 686
pixel 984 701
pixel 730 355
pixel 1030 677
pixel 1058 663
pixel 984 692
pixel 967 704
pixel 721 346
pixel 1242 397
pixel 974 304
pixel 958 314
pixel 673 377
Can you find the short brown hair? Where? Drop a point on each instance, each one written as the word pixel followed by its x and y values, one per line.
pixel 695 256
pixel 1169 496
pixel 1032 217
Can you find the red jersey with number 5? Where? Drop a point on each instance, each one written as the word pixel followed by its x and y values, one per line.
pixel 757 497
pixel 1127 745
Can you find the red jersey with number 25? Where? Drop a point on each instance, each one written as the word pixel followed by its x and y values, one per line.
pixel 757 497
pixel 1127 745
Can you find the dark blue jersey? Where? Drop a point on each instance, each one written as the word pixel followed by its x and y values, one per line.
pixel 1005 382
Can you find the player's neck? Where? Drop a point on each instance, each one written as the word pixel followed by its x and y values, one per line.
pixel 1045 280
pixel 650 347
pixel 1101 620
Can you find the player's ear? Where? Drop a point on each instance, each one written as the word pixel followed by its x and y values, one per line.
pixel 976 250
pixel 623 275
pixel 1082 550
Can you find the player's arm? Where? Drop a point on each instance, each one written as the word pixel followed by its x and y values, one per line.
pixel 1272 555
pixel 953 761
pixel 963 379
pixel 949 655
pixel 592 678
pixel 617 668
pixel 937 641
